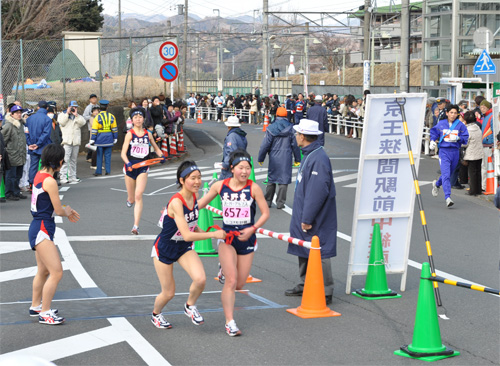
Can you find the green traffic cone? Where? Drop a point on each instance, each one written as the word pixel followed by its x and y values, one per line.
pixel 376 278
pixel 215 177
pixel 40 164
pixel 210 214
pixel 426 344
pixel 216 203
pixel 2 188
pixel 204 247
pixel 252 173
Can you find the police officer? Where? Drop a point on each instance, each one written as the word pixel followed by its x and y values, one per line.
pixel 104 136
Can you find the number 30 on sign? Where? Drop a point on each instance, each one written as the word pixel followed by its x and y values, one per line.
pixel 169 51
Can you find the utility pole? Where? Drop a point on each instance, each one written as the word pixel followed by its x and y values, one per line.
pixel 265 48
pixel 185 41
pixel 198 58
pixel 405 47
pixel 366 30
pixel 120 36
pixel 306 59
pixel 1 90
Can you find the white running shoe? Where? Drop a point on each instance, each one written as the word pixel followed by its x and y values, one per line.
pixel 159 321
pixel 50 318
pixel 194 314
pixel 449 202
pixel 129 204
pixel 232 330
pixel 135 230
pixel 36 310
pixel 220 275
pixel 435 188
pixel 63 181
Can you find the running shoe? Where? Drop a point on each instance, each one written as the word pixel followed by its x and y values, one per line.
pixel 129 204
pixel 222 279
pixel 160 322
pixel 435 188
pixel 50 318
pixel 194 314
pixel 135 230
pixel 35 311
pixel 232 330
pixel 75 180
pixel 449 202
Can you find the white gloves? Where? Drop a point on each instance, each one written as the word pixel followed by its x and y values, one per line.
pixel 115 141
pixel 432 145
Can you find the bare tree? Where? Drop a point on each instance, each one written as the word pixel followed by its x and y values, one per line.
pixel 32 19
pixel 329 52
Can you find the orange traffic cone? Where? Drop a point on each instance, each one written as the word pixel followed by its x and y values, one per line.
pixel 164 147
pixel 266 122
pixel 198 120
pixel 490 178
pixel 252 279
pixel 173 145
pixel 313 298
pixel 180 143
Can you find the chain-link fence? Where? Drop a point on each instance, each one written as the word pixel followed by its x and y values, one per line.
pixel 73 68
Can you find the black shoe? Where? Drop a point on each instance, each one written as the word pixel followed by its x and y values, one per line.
pixel 13 198
pixel 280 207
pixel 328 299
pixel 2 199
pixel 21 196
pixel 458 186
pixel 107 173
pixel 293 292
pixel 97 175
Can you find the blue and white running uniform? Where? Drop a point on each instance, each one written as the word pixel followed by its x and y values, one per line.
pixel 43 226
pixel 138 151
pixel 238 213
pixel 170 245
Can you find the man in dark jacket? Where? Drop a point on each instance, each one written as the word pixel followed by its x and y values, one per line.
pixel 318 113
pixel 235 140
pixel 279 142
pixel 39 127
pixel 314 206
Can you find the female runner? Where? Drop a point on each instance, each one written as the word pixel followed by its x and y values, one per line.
pixel 134 150
pixel 45 203
pixel 174 244
pixel 239 195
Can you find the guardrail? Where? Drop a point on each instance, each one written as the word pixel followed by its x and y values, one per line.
pixel 337 124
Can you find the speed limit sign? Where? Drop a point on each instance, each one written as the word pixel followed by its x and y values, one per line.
pixel 169 51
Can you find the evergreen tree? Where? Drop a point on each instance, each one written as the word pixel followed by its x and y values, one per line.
pixel 86 16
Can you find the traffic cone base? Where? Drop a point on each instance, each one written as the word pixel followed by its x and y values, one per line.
pixel 360 293
pixel 310 314
pixel 251 279
pixel 426 343
pixel 313 303
pixel 376 278
pixel 449 353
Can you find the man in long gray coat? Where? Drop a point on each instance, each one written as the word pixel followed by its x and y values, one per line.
pixel 279 142
pixel 314 206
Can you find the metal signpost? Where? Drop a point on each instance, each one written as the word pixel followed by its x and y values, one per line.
pixel 169 71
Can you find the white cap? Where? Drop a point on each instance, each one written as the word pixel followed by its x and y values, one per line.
pixel 289 95
pixel 233 121
pixel 307 127
pixel 318 98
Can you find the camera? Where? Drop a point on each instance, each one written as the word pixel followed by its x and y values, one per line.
pixel 73 110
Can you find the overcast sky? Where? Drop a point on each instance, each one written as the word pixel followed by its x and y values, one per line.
pixel 230 8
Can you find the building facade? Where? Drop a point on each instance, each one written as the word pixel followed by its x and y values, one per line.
pixel 448 46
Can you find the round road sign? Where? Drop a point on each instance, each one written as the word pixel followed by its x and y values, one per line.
pixel 169 51
pixel 169 72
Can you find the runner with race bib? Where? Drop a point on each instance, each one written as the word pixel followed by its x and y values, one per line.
pixel 175 243
pixel 239 197
pixel 134 150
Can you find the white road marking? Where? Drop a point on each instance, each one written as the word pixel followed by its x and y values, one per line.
pixel 119 331
pixel 13 246
pixel 15 228
pixel 343 178
pixel 63 189
pixel 213 139
pixel 58 220
pixel 16 274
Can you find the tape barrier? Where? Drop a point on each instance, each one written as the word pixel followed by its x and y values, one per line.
pixel 272 234
pixel 463 284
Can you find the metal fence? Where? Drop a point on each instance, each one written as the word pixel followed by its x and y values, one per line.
pixel 231 87
pixel 73 68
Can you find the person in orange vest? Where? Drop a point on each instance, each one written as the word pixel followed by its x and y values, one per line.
pixel 487 130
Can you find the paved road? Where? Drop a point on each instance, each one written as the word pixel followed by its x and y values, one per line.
pixel 109 283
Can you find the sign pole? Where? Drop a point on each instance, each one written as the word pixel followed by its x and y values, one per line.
pixel 488 94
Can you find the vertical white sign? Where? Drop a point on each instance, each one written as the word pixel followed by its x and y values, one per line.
pixel 385 193
pixel 366 75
